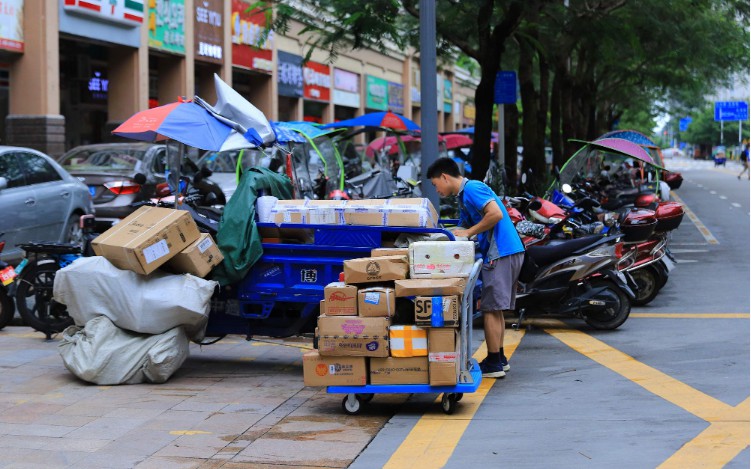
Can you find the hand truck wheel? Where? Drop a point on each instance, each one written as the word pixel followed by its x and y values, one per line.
pixel 352 404
pixel 448 403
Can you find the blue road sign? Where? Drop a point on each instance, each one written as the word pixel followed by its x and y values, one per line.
pixel 730 111
pixel 505 88
pixel 683 124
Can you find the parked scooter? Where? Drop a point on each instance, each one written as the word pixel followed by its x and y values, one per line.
pixel 8 275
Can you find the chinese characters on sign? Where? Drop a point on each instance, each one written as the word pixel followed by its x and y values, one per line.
pixel 98 86
pixel 317 80
pixel 290 75
pixel 166 25
pixel 11 25
pixel 396 98
pixel 346 88
pixel 377 91
pixel 250 48
pixel 209 31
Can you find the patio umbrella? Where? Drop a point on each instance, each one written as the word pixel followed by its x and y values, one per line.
pixel 630 135
pixel 471 131
pixel 625 147
pixel 183 121
pixel 382 120
pixel 456 141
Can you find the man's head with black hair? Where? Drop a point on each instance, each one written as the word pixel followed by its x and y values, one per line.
pixel 445 176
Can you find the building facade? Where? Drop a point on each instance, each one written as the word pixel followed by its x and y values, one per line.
pixel 72 70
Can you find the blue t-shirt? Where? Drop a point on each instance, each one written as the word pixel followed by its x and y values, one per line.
pixel 473 197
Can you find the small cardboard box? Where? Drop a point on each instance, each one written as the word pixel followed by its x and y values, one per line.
pixel 408 216
pixel 437 311
pixel 376 302
pixel 353 336
pixel 444 356
pixel 199 258
pixel 380 252
pixel 375 269
pixel 416 203
pixel 364 216
pixel 341 299
pixel 441 259
pixel 408 341
pixel 326 212
pixel 390 370
pixel 430 287
pixel 146 239
pixel 333 371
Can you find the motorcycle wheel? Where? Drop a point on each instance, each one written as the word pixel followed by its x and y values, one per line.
pixel 7 309
pixel 611 318
pixel 648 285
pixel 34 299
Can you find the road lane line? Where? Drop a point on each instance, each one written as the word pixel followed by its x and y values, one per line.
pixel 717 445
pixel 434 437
pixel 699 225
pixel 684 251
pixel 736 205
pixel 691 315
pixel 696 402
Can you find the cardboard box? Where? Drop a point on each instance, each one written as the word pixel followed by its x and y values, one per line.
pixel 341 299
pixel 333 371
pixel 444 356
pixel 199 258
pixel 390 370
pixel 412 202
pixel 408 216
pixel 375 269
pixel 376 302
pixel 430 287
pixel 364 216
pixel 326 212
pixel 441 259
pixel 146 239
pixel 380 252
pixel 437 311
pixel 353 336
pixel 408 341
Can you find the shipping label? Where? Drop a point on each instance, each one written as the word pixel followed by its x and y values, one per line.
pixel 156 251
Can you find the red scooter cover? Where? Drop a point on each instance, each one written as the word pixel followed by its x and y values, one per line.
pixel 669 216
pixel 638 225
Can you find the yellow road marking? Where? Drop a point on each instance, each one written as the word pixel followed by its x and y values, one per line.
pixel 435 436
pixel 717 445
pixel 691 315
pixel 189 432
pixel 728 433
pixel 699 225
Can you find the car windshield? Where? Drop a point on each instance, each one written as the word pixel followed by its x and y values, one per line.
pixel 226 161
pixel 104 159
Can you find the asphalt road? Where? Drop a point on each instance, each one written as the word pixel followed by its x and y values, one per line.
pixel 670 388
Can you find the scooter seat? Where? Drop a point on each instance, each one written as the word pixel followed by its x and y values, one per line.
pixel 546 255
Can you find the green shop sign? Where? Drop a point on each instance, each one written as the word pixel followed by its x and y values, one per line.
pixel 166 25
pixel 377 93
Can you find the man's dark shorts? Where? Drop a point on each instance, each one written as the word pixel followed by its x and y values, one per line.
pixel 499 283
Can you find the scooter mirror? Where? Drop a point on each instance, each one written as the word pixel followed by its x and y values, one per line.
pixel 524 178
pixel 567 189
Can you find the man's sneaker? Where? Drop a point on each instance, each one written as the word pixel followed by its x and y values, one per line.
pixel 504 363
pixel 492 370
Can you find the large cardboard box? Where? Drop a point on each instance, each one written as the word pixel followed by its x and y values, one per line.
pixel 333 371
pixel 408 341
pixel 199 258
pixel 353 336
pixel 341 299
pixel 380 252
pixel 326 212
pixel 146 239
pixel 437 311
pixel 416 203
pixel 411 216
pixel 444 356
pixel 430 287
pixel 376 302
pixel 392 370
pixel 375 269
pixel 441 259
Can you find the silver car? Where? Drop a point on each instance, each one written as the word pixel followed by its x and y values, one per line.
pixel 39 201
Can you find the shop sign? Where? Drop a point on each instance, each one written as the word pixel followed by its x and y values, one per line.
pixel 97 87
pixel 251 49
pixel 439 92
pixel 346 88
pixel 289 79
pixel 469 113
pixel 414 91
pixel 209 32
pixel 396 98
pixel 125 12
pixel 447 95
pixel 457 109
pixel 376 93
pixel 167 25
pixel 316 81
pixel 11 25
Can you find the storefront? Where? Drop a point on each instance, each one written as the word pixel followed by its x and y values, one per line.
pixel 346 94
pixel 252 55
pixel 11 48
pixel 317 92
pixel 208 41
pixel 88 63
pixel 166 32
pixel 289 85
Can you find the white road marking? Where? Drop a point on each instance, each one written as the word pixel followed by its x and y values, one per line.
pixel 723 197
pixel 736 204
pixel 684 251
pixel 688 244
pixel 712 192
pixel 685 261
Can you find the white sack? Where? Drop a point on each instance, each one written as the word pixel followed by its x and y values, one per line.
pixel 102 353
pixel 92 286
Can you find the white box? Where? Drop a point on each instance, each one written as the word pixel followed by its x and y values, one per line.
pixel 441 259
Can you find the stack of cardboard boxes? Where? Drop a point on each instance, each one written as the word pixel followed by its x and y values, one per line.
pixel 360 341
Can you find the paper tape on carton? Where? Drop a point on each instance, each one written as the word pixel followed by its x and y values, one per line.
pixel 408 341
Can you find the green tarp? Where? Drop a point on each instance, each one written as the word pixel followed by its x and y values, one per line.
pixel 238 237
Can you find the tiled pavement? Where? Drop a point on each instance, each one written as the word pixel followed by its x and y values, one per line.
pixel 233 404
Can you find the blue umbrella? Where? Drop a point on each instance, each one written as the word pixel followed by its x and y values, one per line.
pixel 285 134
pixel 383 120
pixel 630 135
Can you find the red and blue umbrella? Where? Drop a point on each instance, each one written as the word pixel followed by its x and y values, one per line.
pixel 381 120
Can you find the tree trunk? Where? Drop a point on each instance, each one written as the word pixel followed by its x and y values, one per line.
pixel 556 140
pixel 484 95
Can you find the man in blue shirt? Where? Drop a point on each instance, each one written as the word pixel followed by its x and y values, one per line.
pixel 482 214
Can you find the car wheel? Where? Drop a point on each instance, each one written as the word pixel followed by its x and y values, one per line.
pixel 73 231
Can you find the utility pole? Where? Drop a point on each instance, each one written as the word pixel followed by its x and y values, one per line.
pixel 428 90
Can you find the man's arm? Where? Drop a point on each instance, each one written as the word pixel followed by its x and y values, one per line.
pixel 491 215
